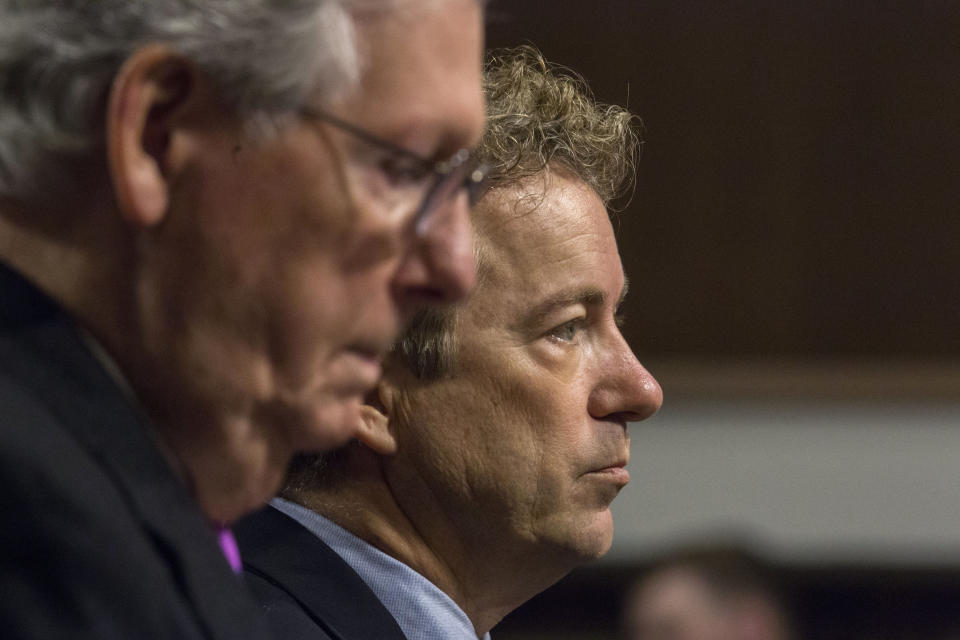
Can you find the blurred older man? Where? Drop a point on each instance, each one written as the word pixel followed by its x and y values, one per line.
pixel 215 216
pixel 487 461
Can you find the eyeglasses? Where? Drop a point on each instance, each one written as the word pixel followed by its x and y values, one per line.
pixel 404 181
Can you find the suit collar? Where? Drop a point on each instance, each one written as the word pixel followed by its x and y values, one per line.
pixel 22 302
pixel 282 551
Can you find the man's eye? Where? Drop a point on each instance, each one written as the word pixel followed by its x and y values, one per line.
pixel 566 332
pixel 401 171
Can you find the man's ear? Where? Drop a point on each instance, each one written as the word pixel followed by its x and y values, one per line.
pixel 146 94
pixel 375 430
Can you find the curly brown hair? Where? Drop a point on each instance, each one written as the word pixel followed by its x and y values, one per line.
pixel 540 114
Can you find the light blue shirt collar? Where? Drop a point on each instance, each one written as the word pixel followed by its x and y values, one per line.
pixel 422 610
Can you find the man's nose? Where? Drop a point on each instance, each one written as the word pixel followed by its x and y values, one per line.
pixel 626 391
pixel 440 267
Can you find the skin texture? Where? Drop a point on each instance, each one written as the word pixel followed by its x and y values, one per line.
pixel 245 286
pixel 496 480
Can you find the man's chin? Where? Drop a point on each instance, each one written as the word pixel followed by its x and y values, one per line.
pixel 594 540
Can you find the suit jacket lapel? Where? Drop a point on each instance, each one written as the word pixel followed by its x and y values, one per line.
pixel 286 553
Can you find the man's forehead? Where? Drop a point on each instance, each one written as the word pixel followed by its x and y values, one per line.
pixel 420 82
pixel 544 218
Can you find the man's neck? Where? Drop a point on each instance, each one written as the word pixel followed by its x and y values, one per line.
pixel 485 590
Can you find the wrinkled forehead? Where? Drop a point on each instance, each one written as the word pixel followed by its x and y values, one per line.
pixel 543 217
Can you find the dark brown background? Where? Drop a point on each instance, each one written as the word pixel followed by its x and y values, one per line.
pixel 799 186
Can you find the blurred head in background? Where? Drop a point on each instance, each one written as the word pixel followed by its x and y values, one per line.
pixel 705 594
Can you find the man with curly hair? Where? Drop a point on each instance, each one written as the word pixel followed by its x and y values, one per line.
pixel 486 462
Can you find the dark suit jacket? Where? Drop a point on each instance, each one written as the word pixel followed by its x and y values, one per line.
pixel 98 538
pixel 307 591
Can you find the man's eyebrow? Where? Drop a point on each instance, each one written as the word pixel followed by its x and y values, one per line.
pixel 588 297
pixel 538 313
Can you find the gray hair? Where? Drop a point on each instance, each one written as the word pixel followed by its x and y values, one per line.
pixel 58 59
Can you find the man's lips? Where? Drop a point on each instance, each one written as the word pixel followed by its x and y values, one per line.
pixel 615 472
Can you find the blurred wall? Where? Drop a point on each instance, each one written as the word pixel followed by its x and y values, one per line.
pixel 799 189
pixel 849 483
